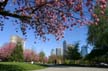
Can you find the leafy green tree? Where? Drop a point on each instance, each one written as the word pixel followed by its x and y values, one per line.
pixel 96 53
pixel 52 58
pixel 72 52
pixel 41 56
pixel 98 37
pixel 17 54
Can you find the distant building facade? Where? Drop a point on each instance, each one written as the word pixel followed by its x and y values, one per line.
pixel 15 39
pixel 58 52
pixel 84 51
pixel 64 49
pixel 52 52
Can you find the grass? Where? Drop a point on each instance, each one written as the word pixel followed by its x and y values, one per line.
pixel 16 66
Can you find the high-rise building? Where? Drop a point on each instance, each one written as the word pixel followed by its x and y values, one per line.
pixel 58 52
pixel 16 39
pixel 64 49
pixel 52 52
pixel 84 51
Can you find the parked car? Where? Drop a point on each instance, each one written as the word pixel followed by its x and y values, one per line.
pixel 104 64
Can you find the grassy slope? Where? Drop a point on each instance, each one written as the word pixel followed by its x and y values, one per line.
pixel 9 66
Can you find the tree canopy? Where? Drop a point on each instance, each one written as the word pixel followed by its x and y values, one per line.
pixel 49 16
pixel 97 35
pixel 17 54
pixel 72 52
pixel 42 56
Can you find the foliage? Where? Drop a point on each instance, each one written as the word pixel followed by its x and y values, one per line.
pixel 30 55
pixel 98 55
pixel 52 58
pixel 13 52
pixel 49 16
pixel 72 52
pixel 98 37
pixel 6 50
pixel 41 56
pixel 45 60
pixel 59 59
pixel 15 66
pixel 17 54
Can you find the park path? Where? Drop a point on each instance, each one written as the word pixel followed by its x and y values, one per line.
pixel 73 69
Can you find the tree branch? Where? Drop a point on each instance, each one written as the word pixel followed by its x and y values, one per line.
pixel 6 13
pixel 35 8
pixel 3 4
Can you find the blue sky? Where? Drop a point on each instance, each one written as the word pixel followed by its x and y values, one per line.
pixel 77 34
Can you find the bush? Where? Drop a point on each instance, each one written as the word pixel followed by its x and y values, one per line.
pixel 67 61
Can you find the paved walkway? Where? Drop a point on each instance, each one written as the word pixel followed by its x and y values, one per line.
pixel 73 69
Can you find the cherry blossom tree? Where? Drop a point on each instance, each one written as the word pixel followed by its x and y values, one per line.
pixel 6 50
pixel 50 16
pixel 45 59
pixel 36 58
pixel 30 55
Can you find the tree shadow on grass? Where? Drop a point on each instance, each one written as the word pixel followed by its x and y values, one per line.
pixel 8 67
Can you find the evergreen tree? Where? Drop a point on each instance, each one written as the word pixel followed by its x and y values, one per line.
pixel 72 52
pixel 17 54
pixel 42 55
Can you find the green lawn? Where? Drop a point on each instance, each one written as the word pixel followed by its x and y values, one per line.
pixel 16 66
